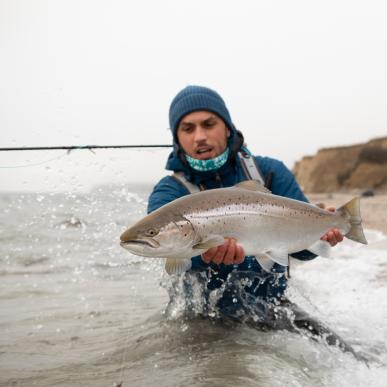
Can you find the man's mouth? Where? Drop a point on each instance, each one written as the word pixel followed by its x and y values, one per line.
pixel 204 151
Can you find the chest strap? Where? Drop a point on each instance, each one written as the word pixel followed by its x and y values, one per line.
pixel 180 177
pixel 250 168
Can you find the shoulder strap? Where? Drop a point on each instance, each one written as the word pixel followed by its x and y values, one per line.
pixel 191 188
pixel 250 168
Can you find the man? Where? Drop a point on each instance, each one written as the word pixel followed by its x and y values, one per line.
pixel 208 154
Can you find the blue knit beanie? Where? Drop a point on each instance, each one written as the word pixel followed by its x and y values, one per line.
pixel 195 98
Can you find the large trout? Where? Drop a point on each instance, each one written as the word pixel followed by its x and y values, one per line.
pixel 268 227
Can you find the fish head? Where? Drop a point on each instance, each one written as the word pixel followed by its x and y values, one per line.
pixel 160 236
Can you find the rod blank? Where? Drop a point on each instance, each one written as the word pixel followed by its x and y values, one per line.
pixel 72 147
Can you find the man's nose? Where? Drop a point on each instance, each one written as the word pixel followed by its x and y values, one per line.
pixel 200 134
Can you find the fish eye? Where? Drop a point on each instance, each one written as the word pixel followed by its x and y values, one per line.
pixel 151 232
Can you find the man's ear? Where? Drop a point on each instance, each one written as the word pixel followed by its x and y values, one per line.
pixel 228 132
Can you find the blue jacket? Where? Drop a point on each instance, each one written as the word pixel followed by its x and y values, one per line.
pixel 268 286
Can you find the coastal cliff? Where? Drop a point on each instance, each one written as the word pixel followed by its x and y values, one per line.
pixel 345 168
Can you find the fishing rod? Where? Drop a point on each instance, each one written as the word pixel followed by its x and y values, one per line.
pixel 72 147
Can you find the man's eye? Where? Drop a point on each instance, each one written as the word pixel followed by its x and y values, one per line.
pixel 209 124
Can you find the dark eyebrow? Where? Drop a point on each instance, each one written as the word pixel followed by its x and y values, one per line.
pixel 185 124
pixel 189 123
pixel 210 119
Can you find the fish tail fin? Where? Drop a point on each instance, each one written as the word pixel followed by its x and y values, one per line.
pixel 352 211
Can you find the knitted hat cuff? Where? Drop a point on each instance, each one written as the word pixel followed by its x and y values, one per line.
pixel 195 98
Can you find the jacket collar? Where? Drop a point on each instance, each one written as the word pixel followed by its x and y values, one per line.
pixel 176 162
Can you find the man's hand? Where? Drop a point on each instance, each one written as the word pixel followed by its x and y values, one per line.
pixel 230 253
pixel 333 236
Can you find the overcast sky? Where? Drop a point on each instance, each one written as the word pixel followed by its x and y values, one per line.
pixel 296 75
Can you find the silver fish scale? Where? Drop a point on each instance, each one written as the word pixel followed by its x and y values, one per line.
pixel 267 226
pixel 259 222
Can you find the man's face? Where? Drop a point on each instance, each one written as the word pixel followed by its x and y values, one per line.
pixel 202 135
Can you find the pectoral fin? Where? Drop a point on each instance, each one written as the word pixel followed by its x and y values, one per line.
pixel 210 241
pixel 322 248
pixel 265 262
pixel 177 265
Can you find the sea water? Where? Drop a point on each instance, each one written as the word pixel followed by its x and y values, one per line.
pixel 78 310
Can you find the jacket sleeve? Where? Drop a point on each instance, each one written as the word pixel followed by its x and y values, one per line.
pixel 285 184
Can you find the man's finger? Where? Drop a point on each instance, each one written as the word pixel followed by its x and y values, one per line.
pixel 209 255
pixel 332 238
pixel 239 255
pixel 339 236
pixel 206 258
pixel 219 256
pixel 230 253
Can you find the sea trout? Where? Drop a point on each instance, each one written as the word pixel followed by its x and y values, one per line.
pixel 267 226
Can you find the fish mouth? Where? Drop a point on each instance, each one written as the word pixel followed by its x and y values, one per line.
pixel 147 242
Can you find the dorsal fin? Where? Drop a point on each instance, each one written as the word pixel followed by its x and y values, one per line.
pixel 252 185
